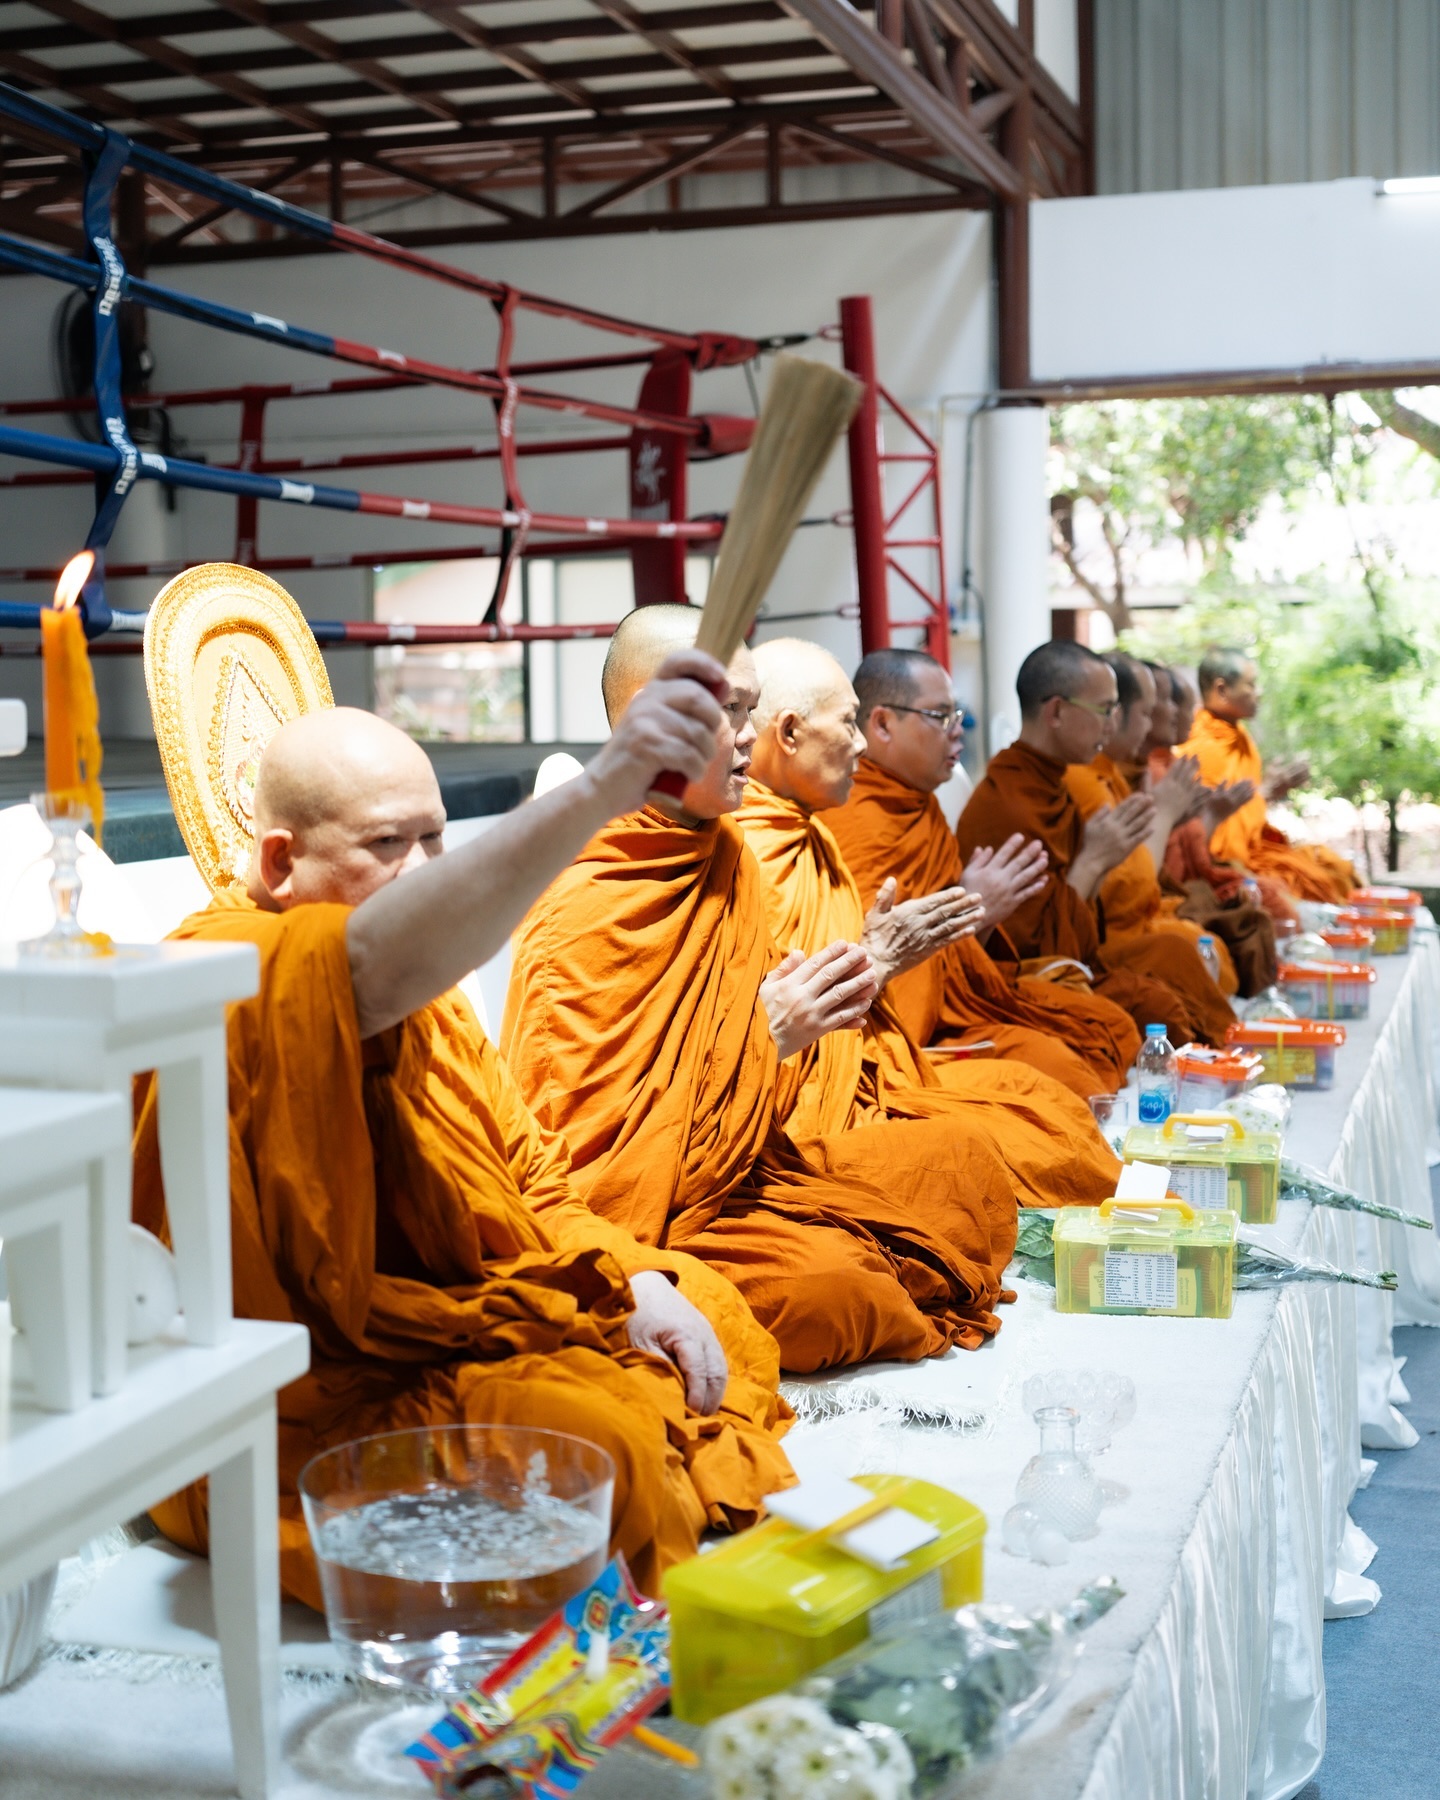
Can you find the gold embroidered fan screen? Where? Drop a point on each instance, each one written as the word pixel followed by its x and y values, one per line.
pixel 228 659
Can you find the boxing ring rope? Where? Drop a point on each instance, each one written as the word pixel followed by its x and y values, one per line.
pixel 661 433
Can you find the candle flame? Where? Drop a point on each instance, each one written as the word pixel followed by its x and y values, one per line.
pixel 72 578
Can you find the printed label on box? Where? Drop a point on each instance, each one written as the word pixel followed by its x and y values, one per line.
pixel 1141 1278
pixel 1187 1293
pixel 917 1601
pixel 1206 1186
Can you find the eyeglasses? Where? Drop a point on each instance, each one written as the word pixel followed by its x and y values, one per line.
pixel 1105 709
pixel 946 717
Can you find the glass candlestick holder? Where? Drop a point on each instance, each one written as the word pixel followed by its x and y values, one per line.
pixel 65 818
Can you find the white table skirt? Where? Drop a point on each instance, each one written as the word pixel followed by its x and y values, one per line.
pixel 1228 1691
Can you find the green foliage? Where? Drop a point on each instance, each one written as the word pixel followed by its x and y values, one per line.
pixel 1201 471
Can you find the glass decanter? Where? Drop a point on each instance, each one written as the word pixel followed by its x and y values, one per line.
pixel 1058 1483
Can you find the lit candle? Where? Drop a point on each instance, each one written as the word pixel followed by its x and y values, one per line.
pixel 72 712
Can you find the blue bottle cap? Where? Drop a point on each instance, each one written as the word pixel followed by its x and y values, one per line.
pixel 1154 1031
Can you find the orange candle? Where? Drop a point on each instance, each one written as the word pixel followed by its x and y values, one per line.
pixel 72 711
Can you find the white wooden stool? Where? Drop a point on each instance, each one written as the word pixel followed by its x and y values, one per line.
pixel 53 1151
pixel 183 1411
pixel 97 1022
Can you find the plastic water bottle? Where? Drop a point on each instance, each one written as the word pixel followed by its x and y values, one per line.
pixel 1159 1079
pixel 1210 957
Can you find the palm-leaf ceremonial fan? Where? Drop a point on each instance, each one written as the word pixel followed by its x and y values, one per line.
pixel 808 407
pixel 229 659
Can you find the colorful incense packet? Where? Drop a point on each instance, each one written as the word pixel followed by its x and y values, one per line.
pixel 540 1723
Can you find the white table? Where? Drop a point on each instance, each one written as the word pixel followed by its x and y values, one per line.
pixel 96 1023
pixel 1206 1680
pixel 53 1150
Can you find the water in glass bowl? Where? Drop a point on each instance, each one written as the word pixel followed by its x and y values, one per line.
pixel 431 1589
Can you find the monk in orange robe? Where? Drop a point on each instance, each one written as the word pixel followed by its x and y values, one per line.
pixel 803 763
pixel 1221 899
pixel 652 1020
pixel 894 838
pixel 1225 750
pixel 1135 909
pixel 389 1189
pixel 1068 703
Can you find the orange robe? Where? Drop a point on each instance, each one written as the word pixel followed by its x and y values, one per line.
pixel 1227 752
pixel 962 994
pixel 395 1197
pixel 634 1025
pixel 1044 1135
pixel 1188 857
pixel 1134 906
pixel 1024 790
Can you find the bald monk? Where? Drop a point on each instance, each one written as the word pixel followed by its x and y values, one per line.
pixel 1135 909
pixel 802 767
pixel 894 839
pixel 652 1020
pixel 1222 900
pixel 1068 703
pixel 389 1189
pixel 1225 750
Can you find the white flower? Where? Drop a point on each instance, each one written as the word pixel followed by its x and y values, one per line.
pixel 891 1753
pixel 740 1784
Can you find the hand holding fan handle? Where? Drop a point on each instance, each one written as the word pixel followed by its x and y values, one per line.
pixel 807 409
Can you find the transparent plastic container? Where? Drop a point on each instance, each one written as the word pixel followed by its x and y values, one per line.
pixel 1352 943
pixel 1328 990
pixel 1209 1076
pixel 1156 1257
pixel 1215 1164
pixel 1366 899
pixel 1298 1053
pixel 1389 928
pixel 765 1608
pixel 1155 1076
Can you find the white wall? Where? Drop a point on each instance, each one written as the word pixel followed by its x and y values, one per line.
pixel 928 273
pixel 1233 278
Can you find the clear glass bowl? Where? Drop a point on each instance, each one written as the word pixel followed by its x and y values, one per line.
pixel 442 1549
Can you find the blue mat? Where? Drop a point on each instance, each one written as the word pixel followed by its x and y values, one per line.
pixel 1382 1673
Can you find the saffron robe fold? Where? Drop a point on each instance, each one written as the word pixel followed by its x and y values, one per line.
pixel 1044 1135
pixel 1226 751
pixel 962 994
pixel 634 1025
pixel 1024 790
pixel 1136 912
pixel 396 1197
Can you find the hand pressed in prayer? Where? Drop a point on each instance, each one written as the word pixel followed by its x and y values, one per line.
pixel 1281 777
pixel 1113 832
pixel 1005 879
pixel 1220 802
pixel 901 936
pixel 1179 793
pixel 664 1323
pixel 672 723
pixel 807 996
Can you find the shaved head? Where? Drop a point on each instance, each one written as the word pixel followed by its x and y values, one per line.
pixel 809 744
pixel 797 676
pixel 344 802
pixel 1221 663
pixel 641 642
pixel 890 678
pixel 1060 667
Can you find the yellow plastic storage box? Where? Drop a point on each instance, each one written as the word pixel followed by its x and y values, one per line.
pixel 1145 1257
pixel 764 1609
pixel 1214 1163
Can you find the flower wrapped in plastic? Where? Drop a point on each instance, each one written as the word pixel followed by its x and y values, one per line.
pixel 1300 1181
pixel 1257 1265
pixel 902 1717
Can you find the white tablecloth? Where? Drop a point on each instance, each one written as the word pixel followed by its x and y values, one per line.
pixel 1207 1679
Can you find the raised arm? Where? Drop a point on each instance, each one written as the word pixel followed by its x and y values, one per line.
pixel 415 938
